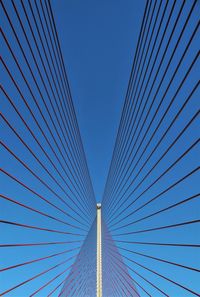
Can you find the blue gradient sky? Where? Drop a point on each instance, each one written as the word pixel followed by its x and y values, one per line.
pixel 98 39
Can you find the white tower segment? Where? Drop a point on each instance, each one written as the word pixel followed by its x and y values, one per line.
pixel 99 252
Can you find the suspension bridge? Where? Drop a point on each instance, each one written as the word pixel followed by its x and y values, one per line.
pixel 141 238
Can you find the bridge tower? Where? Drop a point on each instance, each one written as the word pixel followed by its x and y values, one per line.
pixel 99 252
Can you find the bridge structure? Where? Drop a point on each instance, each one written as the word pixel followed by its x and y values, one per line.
pixel 142 239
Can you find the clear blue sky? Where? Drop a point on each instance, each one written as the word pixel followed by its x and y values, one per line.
pixel 98 39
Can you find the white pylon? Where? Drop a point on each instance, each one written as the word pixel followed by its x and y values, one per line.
pixel 99 252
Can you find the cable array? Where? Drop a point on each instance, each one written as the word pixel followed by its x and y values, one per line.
pixel 47 192
pixel 81 280
pixel 150 203
pixel 151 190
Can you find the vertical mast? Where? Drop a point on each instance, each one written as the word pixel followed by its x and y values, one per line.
pixel 99 252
